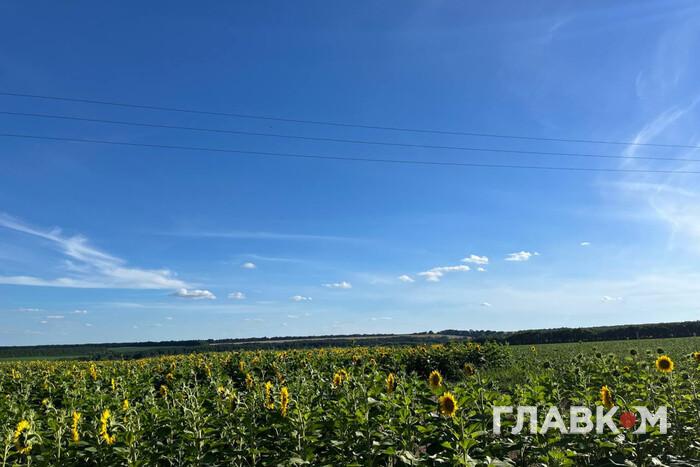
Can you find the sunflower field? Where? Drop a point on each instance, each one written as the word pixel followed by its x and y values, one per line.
pixel 418 405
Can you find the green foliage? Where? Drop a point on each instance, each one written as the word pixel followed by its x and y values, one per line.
pixel 213 408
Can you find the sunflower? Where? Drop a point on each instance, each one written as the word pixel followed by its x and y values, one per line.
pixel 448 404
pixel 93 372
pixel 664 364
pixel 249 380
pixel 696 356
pixel 435 379
pixel 337 380
pixel 75 435
pixel 390 383
pixel 22 427
pixel 269 401
pixel 104 432
pixel 469 369
pixel 284 400
pixel 606 397
pixel 125 405
pixel 241 366
pixel 163 391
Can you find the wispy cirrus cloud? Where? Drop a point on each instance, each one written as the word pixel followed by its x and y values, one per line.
pixel 300 298
pixel 86 266
pixel 338 285
pixel 436 273
pixel 521 256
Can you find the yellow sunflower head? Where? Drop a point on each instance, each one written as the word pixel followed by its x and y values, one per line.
pixel 664 364
pixel 390 383
pixel 20 436
pixel 337 380
pixel 269 401
pixel 696 356
pixel 448 404
pixel 75 434
pixel 435 379
pixel 606 397
pixel 284 401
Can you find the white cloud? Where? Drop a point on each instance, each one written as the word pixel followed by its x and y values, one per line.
pixel 480 269
pixel 88 325
pixel 248 265
pixel 338 285
pixel 435 274
pixel 486 304
pixel 29 309
pixel 237 296
pixel 293 316
pixel 55 317
pixel 381 318
pixel 475 259
pixel 169 318
pixel 88 266
pixel 43 322
pixel 585 243
pixel 195 294
pixel 607 298
pixel 406 278
pixel 521 256
pixel 300 298
pixel 80 312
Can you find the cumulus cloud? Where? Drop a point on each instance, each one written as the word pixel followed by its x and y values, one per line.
pixel 87 266
pixel 248 265
pixel 435 274
pixel 195 294
pixel 480 269
pixel 585 243
pixel 338 285
pixel 521 256
pixel 300 298
pixel 406 278
pixel 236 296
pixel 475 259
pixel 486 304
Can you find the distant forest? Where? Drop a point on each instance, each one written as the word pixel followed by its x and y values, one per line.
pixel 130 350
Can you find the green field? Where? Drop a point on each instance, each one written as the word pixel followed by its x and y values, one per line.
pixel 348 406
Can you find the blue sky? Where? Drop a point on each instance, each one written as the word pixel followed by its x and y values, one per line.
pixel 108 243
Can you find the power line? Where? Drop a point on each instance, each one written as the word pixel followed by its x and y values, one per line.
pixel 344 158
pixel 342 124
pixel 341 140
